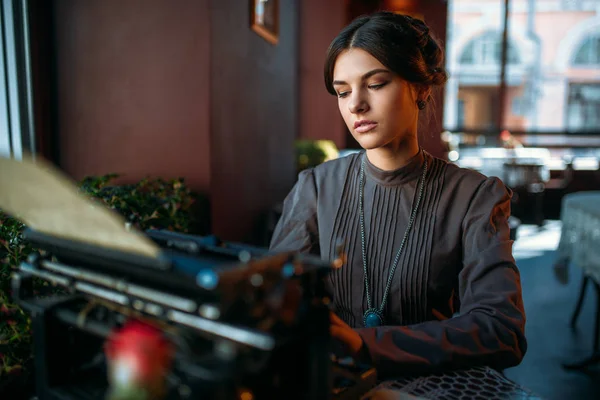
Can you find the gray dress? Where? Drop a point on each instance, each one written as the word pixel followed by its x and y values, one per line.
pixel 455 299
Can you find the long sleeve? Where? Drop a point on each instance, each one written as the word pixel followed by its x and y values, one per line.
pixel 297 228
pixel 489 329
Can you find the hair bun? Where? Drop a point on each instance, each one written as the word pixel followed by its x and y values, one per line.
pixel 433 54
pixel 421 31
pixel 439 76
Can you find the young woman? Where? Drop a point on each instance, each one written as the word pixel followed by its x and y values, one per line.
pixel 430 282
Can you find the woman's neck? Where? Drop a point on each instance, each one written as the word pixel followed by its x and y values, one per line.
pixel 392 157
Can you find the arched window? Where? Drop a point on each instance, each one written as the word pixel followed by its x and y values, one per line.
pixel 486 49
pixel 589 52
pixel 583 109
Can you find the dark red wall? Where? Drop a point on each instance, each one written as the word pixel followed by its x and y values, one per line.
pixel 133 88
pixel 320 22
pixel 42 75
pixel 186 88
pixel 254 117
pixel 179 88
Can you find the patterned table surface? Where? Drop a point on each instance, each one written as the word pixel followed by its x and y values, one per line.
pixel 471 384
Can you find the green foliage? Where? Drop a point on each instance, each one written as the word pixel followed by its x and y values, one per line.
pixel 148 204
pixel 310 153
pixel 15 326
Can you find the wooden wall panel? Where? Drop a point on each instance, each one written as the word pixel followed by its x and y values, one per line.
pixel 132 81
pixel 320 22
pixel 254 117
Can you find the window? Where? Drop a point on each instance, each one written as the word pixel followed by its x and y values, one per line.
pixel 584 107
pixel 16 108
pixel 487 50
pixel 549 80
pixel 518 106
pixel 460 119
pixel 588 53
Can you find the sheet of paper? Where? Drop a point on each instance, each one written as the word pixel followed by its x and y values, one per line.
pixel 46 200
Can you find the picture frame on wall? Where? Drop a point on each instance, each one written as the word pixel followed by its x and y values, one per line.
pixel 264 19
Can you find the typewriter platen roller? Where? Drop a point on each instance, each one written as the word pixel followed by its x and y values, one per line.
pixel 243 323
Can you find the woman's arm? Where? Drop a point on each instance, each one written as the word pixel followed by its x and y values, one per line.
pixel 297 228
pixel 490 327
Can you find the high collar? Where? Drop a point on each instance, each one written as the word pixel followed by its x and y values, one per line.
pixel 409 172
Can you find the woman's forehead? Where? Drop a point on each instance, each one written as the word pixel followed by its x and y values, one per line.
pixel 353 64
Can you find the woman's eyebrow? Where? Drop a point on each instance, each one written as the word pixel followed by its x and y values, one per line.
pixel 365 76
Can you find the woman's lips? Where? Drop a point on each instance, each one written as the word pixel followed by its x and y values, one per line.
pixel 364 126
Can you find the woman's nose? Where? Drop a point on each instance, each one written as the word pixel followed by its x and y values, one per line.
pixel 358 104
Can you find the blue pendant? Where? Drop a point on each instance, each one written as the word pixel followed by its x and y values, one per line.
pixel 372 318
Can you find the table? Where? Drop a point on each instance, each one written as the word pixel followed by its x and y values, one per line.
pixel 475 383
pixel 580 245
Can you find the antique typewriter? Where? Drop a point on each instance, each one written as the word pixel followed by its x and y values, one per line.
pixel 244 323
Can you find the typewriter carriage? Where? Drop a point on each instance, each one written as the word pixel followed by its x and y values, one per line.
pixel 242 347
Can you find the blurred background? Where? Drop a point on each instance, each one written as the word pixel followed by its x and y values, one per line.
pixel 229 96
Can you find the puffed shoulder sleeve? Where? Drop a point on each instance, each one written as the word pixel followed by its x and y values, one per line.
pixel 489 282
pixel 489 328
pixel 297 228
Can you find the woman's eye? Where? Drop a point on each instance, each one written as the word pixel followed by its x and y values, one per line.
pixel 342 94
pixel 377 86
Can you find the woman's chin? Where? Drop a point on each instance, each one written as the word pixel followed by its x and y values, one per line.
pixel 369 143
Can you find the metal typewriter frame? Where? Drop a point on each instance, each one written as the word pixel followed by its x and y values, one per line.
pixel 53 315
pixel 87 284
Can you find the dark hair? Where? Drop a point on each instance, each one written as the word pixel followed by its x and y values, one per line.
pixel 400 42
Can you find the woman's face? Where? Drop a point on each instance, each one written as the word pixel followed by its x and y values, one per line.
pixel 378 107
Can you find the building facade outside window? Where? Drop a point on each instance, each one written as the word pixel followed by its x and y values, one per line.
pixel 588 53
pixel 552 73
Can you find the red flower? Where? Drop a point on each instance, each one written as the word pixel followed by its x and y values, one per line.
pixel 139 357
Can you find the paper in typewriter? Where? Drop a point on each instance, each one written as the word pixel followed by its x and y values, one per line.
pixel 48 201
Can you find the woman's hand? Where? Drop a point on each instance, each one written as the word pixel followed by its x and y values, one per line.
pixel 341 331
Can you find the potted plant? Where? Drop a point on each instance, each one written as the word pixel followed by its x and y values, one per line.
pixel 151 203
